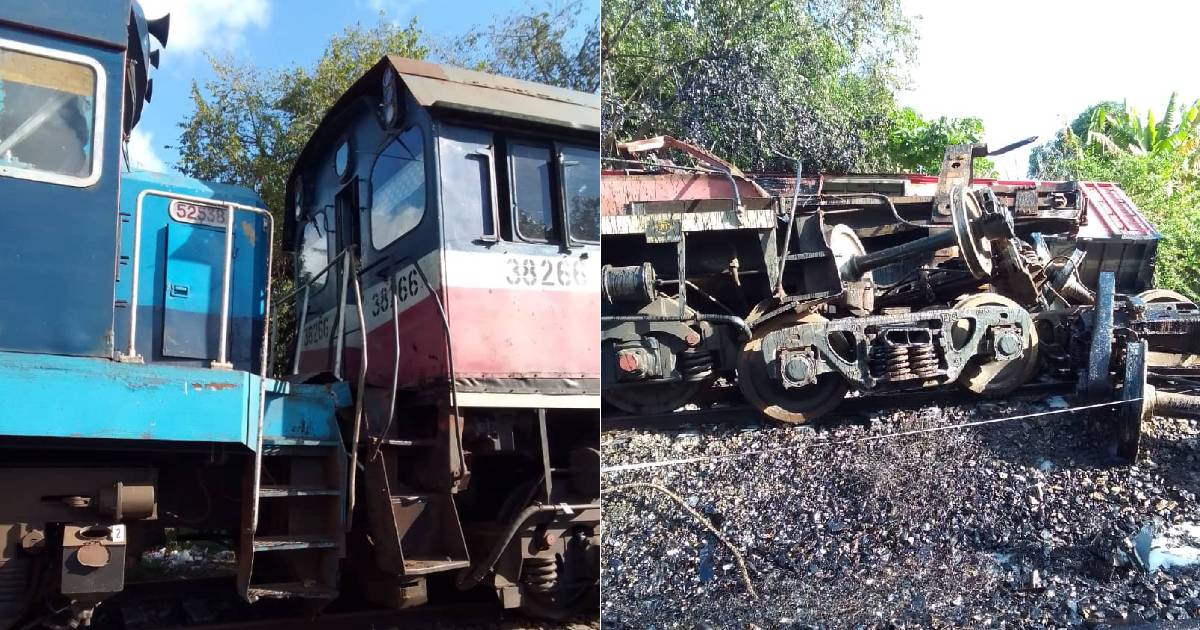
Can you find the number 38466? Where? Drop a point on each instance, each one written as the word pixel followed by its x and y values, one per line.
pixel 545 272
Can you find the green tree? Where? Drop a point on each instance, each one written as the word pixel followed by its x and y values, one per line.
pixel 548 43
pixel 915 144
pixel 745 80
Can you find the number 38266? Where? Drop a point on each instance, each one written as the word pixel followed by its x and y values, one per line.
pixel 545 272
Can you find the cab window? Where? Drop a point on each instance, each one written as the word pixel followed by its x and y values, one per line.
pixel 533 206
pixel 48 112
pixel 398 188
pixel 581 192
pixel 314 251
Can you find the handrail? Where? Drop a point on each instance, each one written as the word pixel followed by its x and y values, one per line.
pixel 358 398
pixel 230 208
pixel 345 260
pixel 395 370
pixel 305 289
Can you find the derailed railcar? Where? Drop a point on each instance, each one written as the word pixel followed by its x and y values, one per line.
pixel 801 289
pixel 446 230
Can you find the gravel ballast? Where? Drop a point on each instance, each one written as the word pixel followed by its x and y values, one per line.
pixel 1024 524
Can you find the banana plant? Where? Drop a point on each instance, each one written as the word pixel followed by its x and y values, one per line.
pixel 1124 130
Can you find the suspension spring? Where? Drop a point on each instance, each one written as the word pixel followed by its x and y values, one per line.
pixel 923 360
pixel 694 365
pixel 540 575
pixel 890 362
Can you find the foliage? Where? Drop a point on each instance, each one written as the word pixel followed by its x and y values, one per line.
pixel 1123 130
pixel 542 44
pixel 248 124
pixel 1158 175
pixel 750 81
pixel 916 145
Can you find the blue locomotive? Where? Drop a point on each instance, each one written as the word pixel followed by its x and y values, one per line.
pixel 136 338
pixel 132 339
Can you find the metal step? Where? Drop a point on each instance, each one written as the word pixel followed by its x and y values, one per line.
pixel 411 498
pixel 289 542
pixel 287 590
pixel 274 492
pixel 298 448
pixel 427 566
pixel 409 443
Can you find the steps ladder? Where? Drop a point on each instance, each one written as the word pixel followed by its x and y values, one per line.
pixel 416 531
pixel 295 549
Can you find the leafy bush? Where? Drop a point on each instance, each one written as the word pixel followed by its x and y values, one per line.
pixel 916 145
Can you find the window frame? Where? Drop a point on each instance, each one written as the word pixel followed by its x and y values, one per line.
pixel 562 189
pixel 316 288
pixel 98 119
pixel 556 203
pixel 390 139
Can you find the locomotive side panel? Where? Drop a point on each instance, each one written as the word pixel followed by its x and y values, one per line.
pixel 522 273
pixel 181 266
pixel 59 242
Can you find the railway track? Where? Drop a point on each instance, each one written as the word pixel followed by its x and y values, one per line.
pixel 212 604
pixel 855 409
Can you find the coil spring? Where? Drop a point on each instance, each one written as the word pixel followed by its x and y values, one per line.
pixel 923 360
pixel 890 362
pixel 693 364
pixel 540 574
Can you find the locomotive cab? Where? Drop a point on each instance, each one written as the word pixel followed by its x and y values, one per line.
pixel 446 230
pixel 62 76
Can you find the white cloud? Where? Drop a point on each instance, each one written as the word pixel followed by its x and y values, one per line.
pixel 142 154
pixel 200 25
pixel 1029 67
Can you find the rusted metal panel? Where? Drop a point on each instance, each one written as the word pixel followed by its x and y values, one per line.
pixel 651 223
pixel 619 189
pixel 667 142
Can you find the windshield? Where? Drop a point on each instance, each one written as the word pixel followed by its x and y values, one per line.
pixel 47 114
pixel 398 178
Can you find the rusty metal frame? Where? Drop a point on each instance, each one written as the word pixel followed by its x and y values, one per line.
pixel 816 336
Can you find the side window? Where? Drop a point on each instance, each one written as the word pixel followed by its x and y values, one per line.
pixel 533 206
pixel 49 112
pixel 314 250
pixel 581 192
pixel 398 183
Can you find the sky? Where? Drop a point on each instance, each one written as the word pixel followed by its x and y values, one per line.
pixel 1024 67
pixel 272 34
pixel 1028 67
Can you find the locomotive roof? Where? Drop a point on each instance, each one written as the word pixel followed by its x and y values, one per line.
pixel 137 180
pixel 102 21
pixel 451 87
pixel 445 87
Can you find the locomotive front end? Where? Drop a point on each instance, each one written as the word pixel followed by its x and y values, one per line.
pixel 447 237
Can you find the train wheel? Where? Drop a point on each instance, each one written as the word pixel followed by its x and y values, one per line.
pixel 796 406
pixel 652 399
pixel 994 378
pixel 563 602
pixel 1152 296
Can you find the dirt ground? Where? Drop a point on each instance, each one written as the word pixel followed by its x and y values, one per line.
pixel 1024 524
